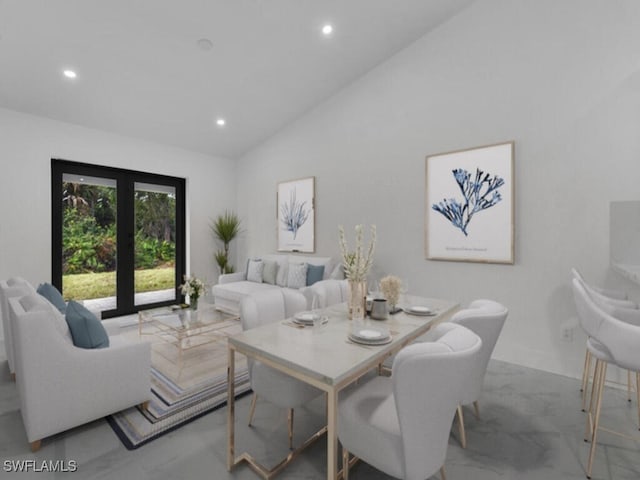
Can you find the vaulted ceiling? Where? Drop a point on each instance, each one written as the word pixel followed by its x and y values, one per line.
pixel 167 70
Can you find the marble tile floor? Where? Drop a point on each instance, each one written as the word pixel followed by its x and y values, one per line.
pixel 531 428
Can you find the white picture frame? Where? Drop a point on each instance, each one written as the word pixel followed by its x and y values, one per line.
pixel 296 216
pixel 469 204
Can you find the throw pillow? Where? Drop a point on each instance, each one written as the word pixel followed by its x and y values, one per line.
pixel 60 323
pixel 314 273
pixel 297 276
pixel 254 271
pixel 52 294
pixel 282 275
pixel 338 272
pixel 86 330
pixel 270 271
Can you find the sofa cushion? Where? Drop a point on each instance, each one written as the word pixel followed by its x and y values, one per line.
pixel 297 276
pixel 254 271
pixel 52 294
pixel 86 329
pixel 314 273
pixel 269 271
pixel 236 291
pixel 337 273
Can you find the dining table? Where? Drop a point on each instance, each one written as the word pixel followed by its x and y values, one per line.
pixel 324 355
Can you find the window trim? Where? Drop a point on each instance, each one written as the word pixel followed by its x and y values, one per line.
pixel 126 180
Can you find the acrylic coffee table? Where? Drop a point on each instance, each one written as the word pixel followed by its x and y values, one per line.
pixel 184 328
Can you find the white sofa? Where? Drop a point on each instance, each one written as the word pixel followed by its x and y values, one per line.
pixel 62 386
pixel 233 287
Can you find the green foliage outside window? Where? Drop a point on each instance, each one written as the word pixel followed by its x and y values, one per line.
pixel 89 229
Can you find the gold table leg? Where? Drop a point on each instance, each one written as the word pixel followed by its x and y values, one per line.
pixel 332 434
pixel 231 367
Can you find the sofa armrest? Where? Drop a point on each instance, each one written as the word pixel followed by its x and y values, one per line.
pixel 231 277
pixel 112 326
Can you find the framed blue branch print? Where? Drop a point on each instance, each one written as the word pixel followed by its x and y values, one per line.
pixel 469 205
pixel 296 215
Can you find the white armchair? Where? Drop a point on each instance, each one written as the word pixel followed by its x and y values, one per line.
pixel 62 386
pixel 14 287
pixel 400 424
pixel 266 382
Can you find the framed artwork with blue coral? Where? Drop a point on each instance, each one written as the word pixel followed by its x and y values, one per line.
pixel 469 205
pixel 296 215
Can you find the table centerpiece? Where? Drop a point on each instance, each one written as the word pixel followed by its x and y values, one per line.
pixel 356 265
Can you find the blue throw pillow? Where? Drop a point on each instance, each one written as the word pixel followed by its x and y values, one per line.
pixel 86 330
pixel 52 294
pixel 314 274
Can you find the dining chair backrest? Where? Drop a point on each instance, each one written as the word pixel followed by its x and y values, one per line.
pixel 270 306
pixel 485 318
pixel 621 309
pixel 294 302
pixel 427 381
pixel 328 292
pixel 613 298
pixel 262 308
pixel 620 339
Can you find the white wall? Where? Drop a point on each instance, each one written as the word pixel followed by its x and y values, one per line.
pixel 561 79
pixel 27 145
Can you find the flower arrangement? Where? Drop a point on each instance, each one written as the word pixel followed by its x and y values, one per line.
pixel 358 262
pixel 390 287
pixel 194 287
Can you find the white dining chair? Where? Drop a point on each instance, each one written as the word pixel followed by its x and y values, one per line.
pixel 485 318
pixel 611 342
pixel 400 424
pixel 616 304
pixel 268 383
pixel 327 292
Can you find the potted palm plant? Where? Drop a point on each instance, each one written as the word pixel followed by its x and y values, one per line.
pixel 225 228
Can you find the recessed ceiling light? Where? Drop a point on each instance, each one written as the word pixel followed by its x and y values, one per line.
pixel 205 44
pixel 70 74
pixel 221 122
pixel 327 29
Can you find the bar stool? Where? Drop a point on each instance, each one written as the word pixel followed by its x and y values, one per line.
pixel 611 342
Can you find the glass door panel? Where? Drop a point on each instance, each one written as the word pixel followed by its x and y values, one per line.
pixel 89 239
pixel 155 243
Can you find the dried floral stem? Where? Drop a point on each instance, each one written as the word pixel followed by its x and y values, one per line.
pixel 357 263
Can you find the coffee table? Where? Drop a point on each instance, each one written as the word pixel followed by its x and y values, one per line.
pixel 185 328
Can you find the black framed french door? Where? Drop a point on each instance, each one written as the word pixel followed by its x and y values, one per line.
pixel 118 236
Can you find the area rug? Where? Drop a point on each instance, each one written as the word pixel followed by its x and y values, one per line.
pixel 180 394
